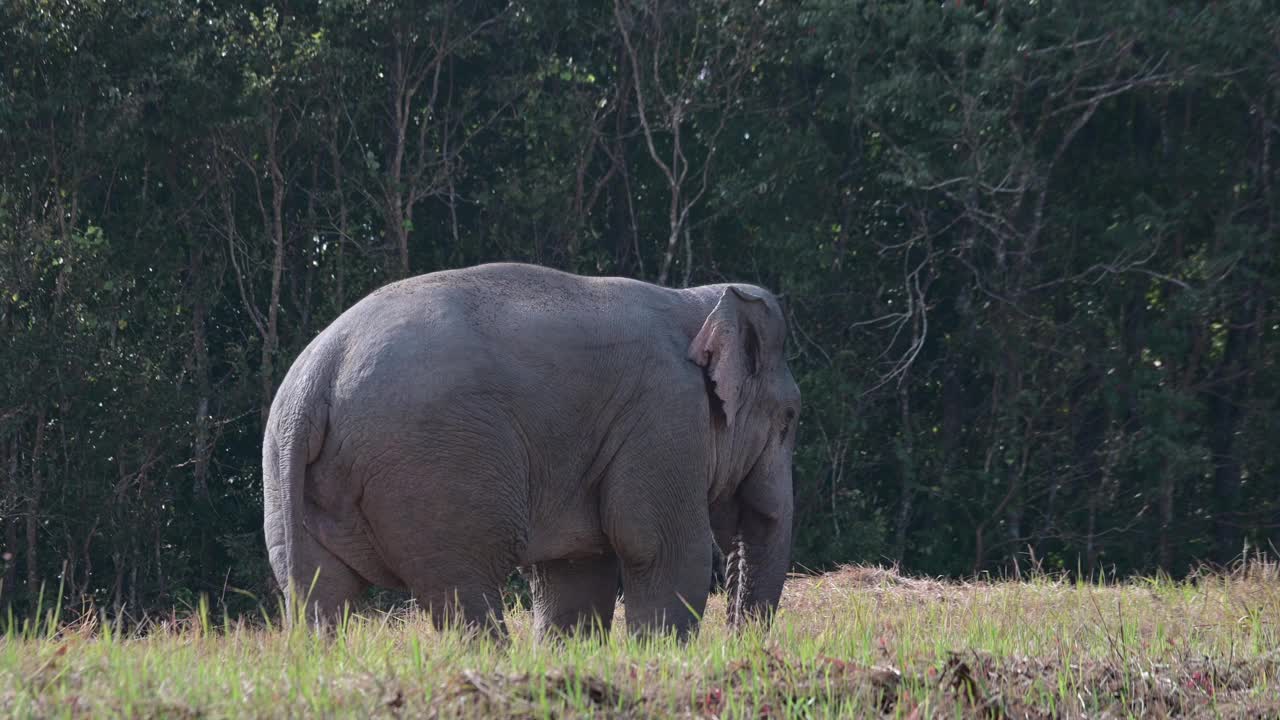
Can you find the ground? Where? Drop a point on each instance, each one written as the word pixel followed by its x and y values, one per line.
pixel 857 642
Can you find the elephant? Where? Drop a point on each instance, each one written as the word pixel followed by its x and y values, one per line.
pixel 454 427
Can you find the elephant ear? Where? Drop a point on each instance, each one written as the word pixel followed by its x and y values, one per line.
pixel 728 346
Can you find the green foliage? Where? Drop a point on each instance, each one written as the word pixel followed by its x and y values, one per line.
pixel 1028 252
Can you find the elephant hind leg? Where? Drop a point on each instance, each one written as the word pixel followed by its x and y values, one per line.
pixel 573 596
pixel 324 583
pixel 452 526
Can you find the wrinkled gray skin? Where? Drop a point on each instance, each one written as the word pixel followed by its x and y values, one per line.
pixel 452 427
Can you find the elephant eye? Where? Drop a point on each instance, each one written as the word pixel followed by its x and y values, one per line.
pixel 786 423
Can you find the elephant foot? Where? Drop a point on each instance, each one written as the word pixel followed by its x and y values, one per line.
pixel 574 597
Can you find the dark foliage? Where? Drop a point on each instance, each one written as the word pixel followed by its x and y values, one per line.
pixel 1028 250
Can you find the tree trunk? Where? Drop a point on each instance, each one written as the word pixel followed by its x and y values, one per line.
pixel 277 266
pixel 1224 415
pixel 33 508
pixel 397 218
pixel 311 252
pixel 335 161
pixel 10 563
pixel 200 368
pixel 1165 545
pixel 117 585
pixel 1170 469
pixel 9 557
pixel 906 465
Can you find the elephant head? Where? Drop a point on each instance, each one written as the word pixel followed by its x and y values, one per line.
pixel 755 403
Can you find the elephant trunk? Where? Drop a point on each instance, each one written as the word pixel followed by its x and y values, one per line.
pixel 759 557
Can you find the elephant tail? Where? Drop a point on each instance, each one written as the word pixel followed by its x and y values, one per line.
pixel 293 438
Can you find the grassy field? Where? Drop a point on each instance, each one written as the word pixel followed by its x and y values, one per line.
pixel 859 642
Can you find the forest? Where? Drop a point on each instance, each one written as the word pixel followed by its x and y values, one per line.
pixel 1028 251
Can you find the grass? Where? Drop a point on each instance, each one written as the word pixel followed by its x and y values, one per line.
pixel 858 642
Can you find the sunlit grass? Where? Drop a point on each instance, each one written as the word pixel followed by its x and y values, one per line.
pixel 858 642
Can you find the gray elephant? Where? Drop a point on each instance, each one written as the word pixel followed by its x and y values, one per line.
pixel 453 427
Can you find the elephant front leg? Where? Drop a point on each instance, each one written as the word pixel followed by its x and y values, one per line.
pixel 666 591
pixel 664 548
pixel 654 513
pixel 573 596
